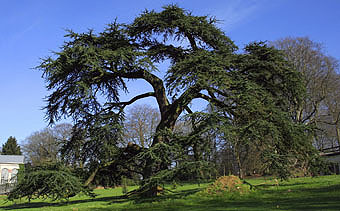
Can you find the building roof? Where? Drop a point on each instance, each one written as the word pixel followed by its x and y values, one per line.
pixel 328 154
pixel 17 159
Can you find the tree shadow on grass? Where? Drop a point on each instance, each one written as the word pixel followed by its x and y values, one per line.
pixel 311 199
pixel 307 199
pixel 112 200
pixel 327 189
pixel 299 198
pixel 243 204
pixel 267 185
pixel 167 196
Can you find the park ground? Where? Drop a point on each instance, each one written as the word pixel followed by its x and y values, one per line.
pixel 309 193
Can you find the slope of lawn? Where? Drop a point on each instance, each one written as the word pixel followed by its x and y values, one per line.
pixel 319 193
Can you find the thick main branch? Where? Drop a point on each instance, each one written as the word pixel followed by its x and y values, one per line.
pixel 155 82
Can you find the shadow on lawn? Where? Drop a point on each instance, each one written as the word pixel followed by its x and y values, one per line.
pixel 308 199
pixel 112 200
pixel 174 195
pixel 267 185
pixel 301 198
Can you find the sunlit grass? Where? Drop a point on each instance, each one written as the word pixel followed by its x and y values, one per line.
pixel 319 193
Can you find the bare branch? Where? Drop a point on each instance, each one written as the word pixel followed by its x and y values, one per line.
pixel 122 105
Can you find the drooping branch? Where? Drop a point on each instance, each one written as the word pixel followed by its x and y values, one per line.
pixel 188 110
pixel 209 99
pixel 218 103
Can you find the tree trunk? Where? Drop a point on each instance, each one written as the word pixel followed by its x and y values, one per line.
pixel 91 177
pixel 299 114
pixel 241 173
pixel 150 190
pixel 338 134
pixel 169 115
pixel 151 166
pixel 239 163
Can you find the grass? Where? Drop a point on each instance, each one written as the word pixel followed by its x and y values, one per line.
pixel 312 194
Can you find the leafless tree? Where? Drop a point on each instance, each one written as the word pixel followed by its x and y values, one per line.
pixel 330 117
pixel 140 125
pixel 43 146
pixel 321 106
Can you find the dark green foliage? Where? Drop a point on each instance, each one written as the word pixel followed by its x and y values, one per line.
pixel 318 166
pixel 11 147
pixel 53 181
pixel 93 140
pixel 95 151
pixel 268 89
pixel 257 109
pixel 176 159
pixel 252 94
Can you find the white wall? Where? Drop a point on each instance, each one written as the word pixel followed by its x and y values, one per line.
pixel 10 168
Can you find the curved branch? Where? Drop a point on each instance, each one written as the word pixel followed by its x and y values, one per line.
pixel 122 105
pixel 138 97
pixel 154 81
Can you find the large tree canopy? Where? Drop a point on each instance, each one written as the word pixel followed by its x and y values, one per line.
pixel 253 89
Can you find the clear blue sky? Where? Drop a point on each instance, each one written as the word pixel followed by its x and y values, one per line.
pixel 31 29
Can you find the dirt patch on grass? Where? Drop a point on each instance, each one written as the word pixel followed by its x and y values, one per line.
pixel 225 184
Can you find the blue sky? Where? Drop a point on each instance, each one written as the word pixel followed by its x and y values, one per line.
pixel 31 29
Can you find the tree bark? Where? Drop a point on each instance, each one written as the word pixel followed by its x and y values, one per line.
pixel 238 160
pixel 91 177
pixel 338 134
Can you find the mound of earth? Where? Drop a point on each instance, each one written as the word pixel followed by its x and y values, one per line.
pixel 226 184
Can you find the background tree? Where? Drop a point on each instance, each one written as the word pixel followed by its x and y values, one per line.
pixel 255 116
pixel 11 147
pixel 320 76
pixel 43 146
pixel 330 117
pixel 91 67
pixel 140 124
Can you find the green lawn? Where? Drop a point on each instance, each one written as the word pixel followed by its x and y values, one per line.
pixel 321 193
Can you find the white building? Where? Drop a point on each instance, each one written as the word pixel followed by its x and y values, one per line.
pixel 9 166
